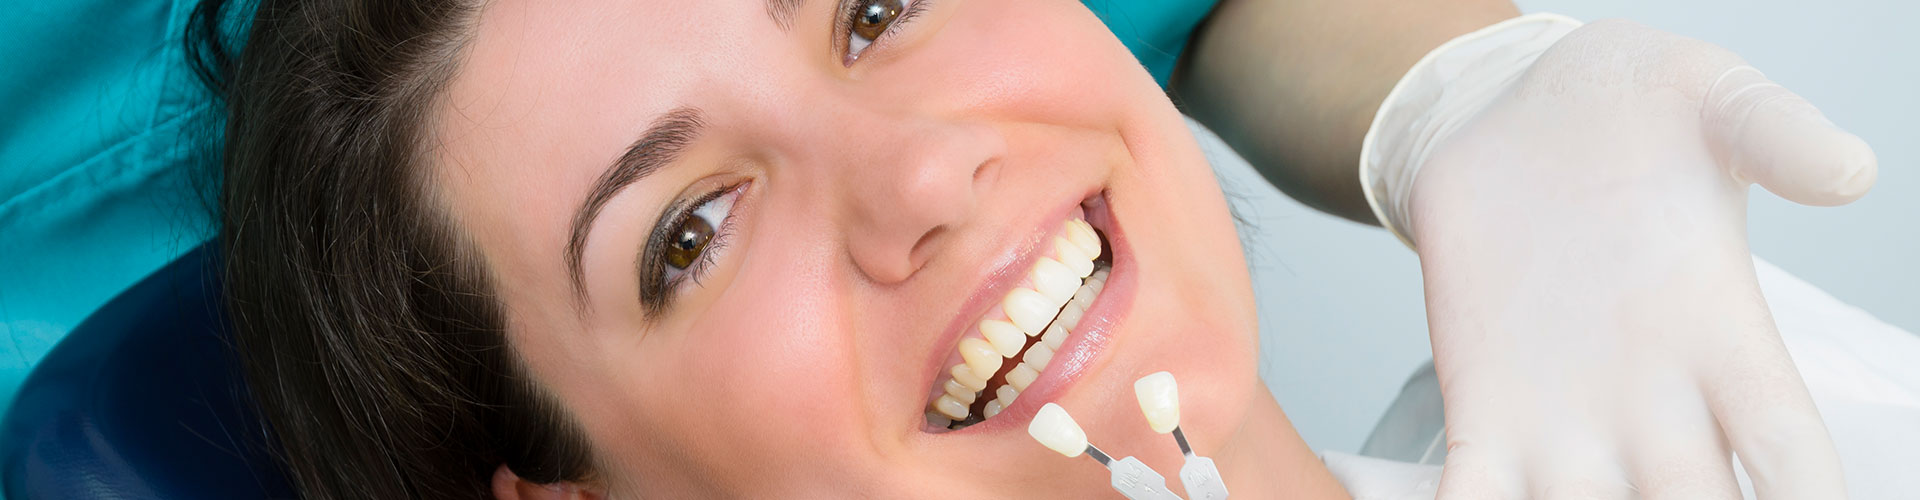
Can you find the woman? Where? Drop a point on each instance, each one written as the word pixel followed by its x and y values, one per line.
pixel 608 249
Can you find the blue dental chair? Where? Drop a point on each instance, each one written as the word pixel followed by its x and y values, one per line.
pixel 142 400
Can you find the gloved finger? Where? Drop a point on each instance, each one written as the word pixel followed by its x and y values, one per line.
pixel 1770 421
pixel 1582 471
pixel 1765 134
pixel 1677 451
pixel 1478 472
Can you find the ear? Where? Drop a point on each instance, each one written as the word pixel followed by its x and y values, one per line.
pixel 509 486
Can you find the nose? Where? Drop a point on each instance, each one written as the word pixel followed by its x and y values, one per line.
pixel 907 185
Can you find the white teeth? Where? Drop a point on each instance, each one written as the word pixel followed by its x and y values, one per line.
pixel 1159 399
pixel 1070 315
pixel 1038 355
pixel 1054 280
pixel 1083 298
pixel 1029 310
pixel 980 357
pixel 1071 255
pixel 1006 338
pixel 1058 290
pixel 1081 234
pixel 960 392
pixel 1054 337
pixel 1056 430
pixel 964 375
pixel 950 407
pixel 1021 376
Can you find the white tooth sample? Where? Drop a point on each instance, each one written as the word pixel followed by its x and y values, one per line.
pixel 1071 255
pixel 950 407
pixel 1057 431
pixel 980 357
pixel 1029 310
pixel 1159 400
pixel 1038 355
pixel 1022 376
pixel 1006 338
pixel 1081 234
pixel 959 392
pixel 1055 336
pixel 992 408
pixel 1070 315
pixel 1005 395
pixel 938 420
pixel 1054 280
pixel 964 375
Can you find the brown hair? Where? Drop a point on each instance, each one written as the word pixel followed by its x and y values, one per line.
pixel 372 343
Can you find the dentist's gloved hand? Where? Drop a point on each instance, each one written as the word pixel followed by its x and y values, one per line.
pixel 1581 224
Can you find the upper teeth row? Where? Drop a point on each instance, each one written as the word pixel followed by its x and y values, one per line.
pixel 1054 285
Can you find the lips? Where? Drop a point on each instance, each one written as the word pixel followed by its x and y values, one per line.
pixel 1017 341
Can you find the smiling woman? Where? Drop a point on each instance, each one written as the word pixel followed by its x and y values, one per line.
pixel 731 248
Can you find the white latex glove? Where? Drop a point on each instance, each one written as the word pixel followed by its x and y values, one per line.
pixel 1597 328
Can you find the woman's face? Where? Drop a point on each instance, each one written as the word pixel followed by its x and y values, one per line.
pixel 799 229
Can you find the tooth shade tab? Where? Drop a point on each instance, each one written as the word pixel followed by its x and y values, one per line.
pixel 1159 400
pixel 1006 338
pixel 1057 431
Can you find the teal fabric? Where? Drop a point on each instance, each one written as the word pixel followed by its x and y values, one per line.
pixel 102 146
pixel 105 152
pixel 1155 30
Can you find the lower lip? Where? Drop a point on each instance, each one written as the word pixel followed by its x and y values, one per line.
pixel 1081 350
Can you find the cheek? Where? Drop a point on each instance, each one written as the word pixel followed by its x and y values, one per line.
pixel 757 389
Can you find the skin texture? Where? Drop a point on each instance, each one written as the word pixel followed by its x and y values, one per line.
pixel 879 197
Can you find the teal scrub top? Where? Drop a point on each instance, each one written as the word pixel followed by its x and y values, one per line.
pixel 108 152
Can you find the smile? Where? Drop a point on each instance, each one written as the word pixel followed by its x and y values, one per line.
pixel 1017 339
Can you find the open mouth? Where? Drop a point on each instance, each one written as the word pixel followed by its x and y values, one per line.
pixel 1013 343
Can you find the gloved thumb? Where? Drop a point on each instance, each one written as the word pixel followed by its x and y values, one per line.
pixel 1765 134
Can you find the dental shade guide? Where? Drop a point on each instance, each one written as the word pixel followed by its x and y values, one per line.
pixel 1056 430
pixel 1160 401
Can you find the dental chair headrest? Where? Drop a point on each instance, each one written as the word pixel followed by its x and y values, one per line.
pixel 142 400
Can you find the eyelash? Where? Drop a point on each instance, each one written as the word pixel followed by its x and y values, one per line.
pixel 657 290
pixel 844 27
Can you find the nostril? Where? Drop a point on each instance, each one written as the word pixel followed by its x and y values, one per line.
pixel 923 249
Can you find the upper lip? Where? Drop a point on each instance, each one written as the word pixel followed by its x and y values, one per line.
pixel 1013 262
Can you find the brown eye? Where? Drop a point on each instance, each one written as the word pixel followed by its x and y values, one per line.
pixel 872 17
pixel 687 241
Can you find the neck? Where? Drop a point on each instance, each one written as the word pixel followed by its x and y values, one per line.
pixel 1265 458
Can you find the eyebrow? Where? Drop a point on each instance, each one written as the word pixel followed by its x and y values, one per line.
pixel 659 146
pixel 782 12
